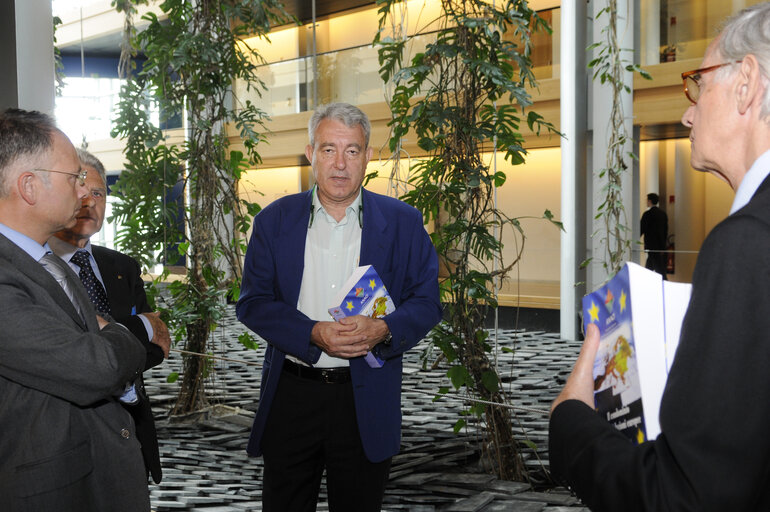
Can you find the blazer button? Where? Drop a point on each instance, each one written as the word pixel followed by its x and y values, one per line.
pixel 125 433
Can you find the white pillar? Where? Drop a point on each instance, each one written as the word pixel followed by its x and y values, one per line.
pixel 573 158
pixel 650 32
pixel 26 52
pixel 688 221
pixel 601 100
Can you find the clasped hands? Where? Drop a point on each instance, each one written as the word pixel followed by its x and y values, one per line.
pixel 352 336
pixel 160 334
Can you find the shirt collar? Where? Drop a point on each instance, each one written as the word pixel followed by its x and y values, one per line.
pixel 66 250
pixel 751 182
pixel 351 212
pixel 25 243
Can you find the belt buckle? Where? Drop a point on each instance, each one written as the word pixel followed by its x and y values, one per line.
pixel 327 377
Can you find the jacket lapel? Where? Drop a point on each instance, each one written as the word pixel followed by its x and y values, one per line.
pixel 290 247
pixel 109 270
pixel 374 241
pixel 34 271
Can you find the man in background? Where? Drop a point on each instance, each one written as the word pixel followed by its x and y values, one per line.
pixel 114 284
pixel 322 406
pixel 654 228
pixel 713 452
pixel 66 444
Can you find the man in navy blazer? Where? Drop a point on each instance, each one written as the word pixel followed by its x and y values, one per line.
pixel 121 277
pixel 322 406
pixel 713 453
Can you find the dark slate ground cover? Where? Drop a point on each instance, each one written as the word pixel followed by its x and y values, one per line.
pixel 206 468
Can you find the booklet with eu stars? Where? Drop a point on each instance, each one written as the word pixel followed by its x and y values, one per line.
pixel 639 316
pixel 363 294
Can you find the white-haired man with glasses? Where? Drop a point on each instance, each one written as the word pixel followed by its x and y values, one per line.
pixel 66 444
pixel 714 451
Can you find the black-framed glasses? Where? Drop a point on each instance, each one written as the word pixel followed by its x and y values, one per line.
pixel 691 80
pixel 79 176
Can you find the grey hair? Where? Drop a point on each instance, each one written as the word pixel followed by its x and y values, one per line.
pixel 748 32
pixel 90 160
pixel 346 113
pixel 23 133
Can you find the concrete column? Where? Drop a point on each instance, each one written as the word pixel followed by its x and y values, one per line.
pixel 26 55
pixel 650 32
pixel 688 221
pixel 573 158
pixel 600 97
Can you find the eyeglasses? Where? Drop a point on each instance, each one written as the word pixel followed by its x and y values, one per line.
pixel 691 80
pixel 79 176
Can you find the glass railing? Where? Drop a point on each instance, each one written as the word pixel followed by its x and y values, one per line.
pixel 350 75
pixel 674 30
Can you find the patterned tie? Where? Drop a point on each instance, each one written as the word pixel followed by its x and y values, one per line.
pixel 65 277
pixel 94 288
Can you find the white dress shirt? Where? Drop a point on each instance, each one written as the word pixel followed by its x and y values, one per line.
pixel 332 252
pixel 751 182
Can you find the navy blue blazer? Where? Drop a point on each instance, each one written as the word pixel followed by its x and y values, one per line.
pixel 395 242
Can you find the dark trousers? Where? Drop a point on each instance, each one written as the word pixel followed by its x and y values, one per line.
pixel 657 261
pixel 311 427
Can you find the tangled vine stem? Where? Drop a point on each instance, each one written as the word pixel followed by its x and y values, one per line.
pixel 463 96
pixel 181 198
pixel 609 66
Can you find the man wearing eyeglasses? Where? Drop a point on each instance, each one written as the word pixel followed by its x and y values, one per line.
pixel 66 442
pixel 114 284
pixel 714 451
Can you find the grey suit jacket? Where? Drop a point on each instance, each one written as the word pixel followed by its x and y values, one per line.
pixel 66 443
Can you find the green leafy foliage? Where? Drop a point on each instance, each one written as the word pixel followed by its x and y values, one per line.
pixel 465 95
pixel 248 341
pixel 57 59
pixel 609 66
pixel 179 202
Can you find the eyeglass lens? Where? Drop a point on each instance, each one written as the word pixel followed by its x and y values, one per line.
pixel 693 89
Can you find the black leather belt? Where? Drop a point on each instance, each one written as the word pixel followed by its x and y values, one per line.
pixel 325 375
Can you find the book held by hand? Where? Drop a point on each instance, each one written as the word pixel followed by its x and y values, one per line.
pixel 639 317
pixel 363 294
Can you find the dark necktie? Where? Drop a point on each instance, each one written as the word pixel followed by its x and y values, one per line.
pixel 92 285
pixel 65 277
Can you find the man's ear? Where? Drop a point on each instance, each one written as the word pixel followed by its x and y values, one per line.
pixel 749 87
pixel 309 153
pixel 27 186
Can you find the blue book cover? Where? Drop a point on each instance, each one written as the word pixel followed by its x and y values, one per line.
pixel 617 387
pixel 639 317
pixel 363 294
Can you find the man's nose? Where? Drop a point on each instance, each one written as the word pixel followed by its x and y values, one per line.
pixel 83 192
pixel 339 160
pixel 88 198
pixel 688 116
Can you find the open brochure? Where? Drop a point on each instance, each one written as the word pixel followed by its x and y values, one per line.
pixel 639 317
pixel 363 294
